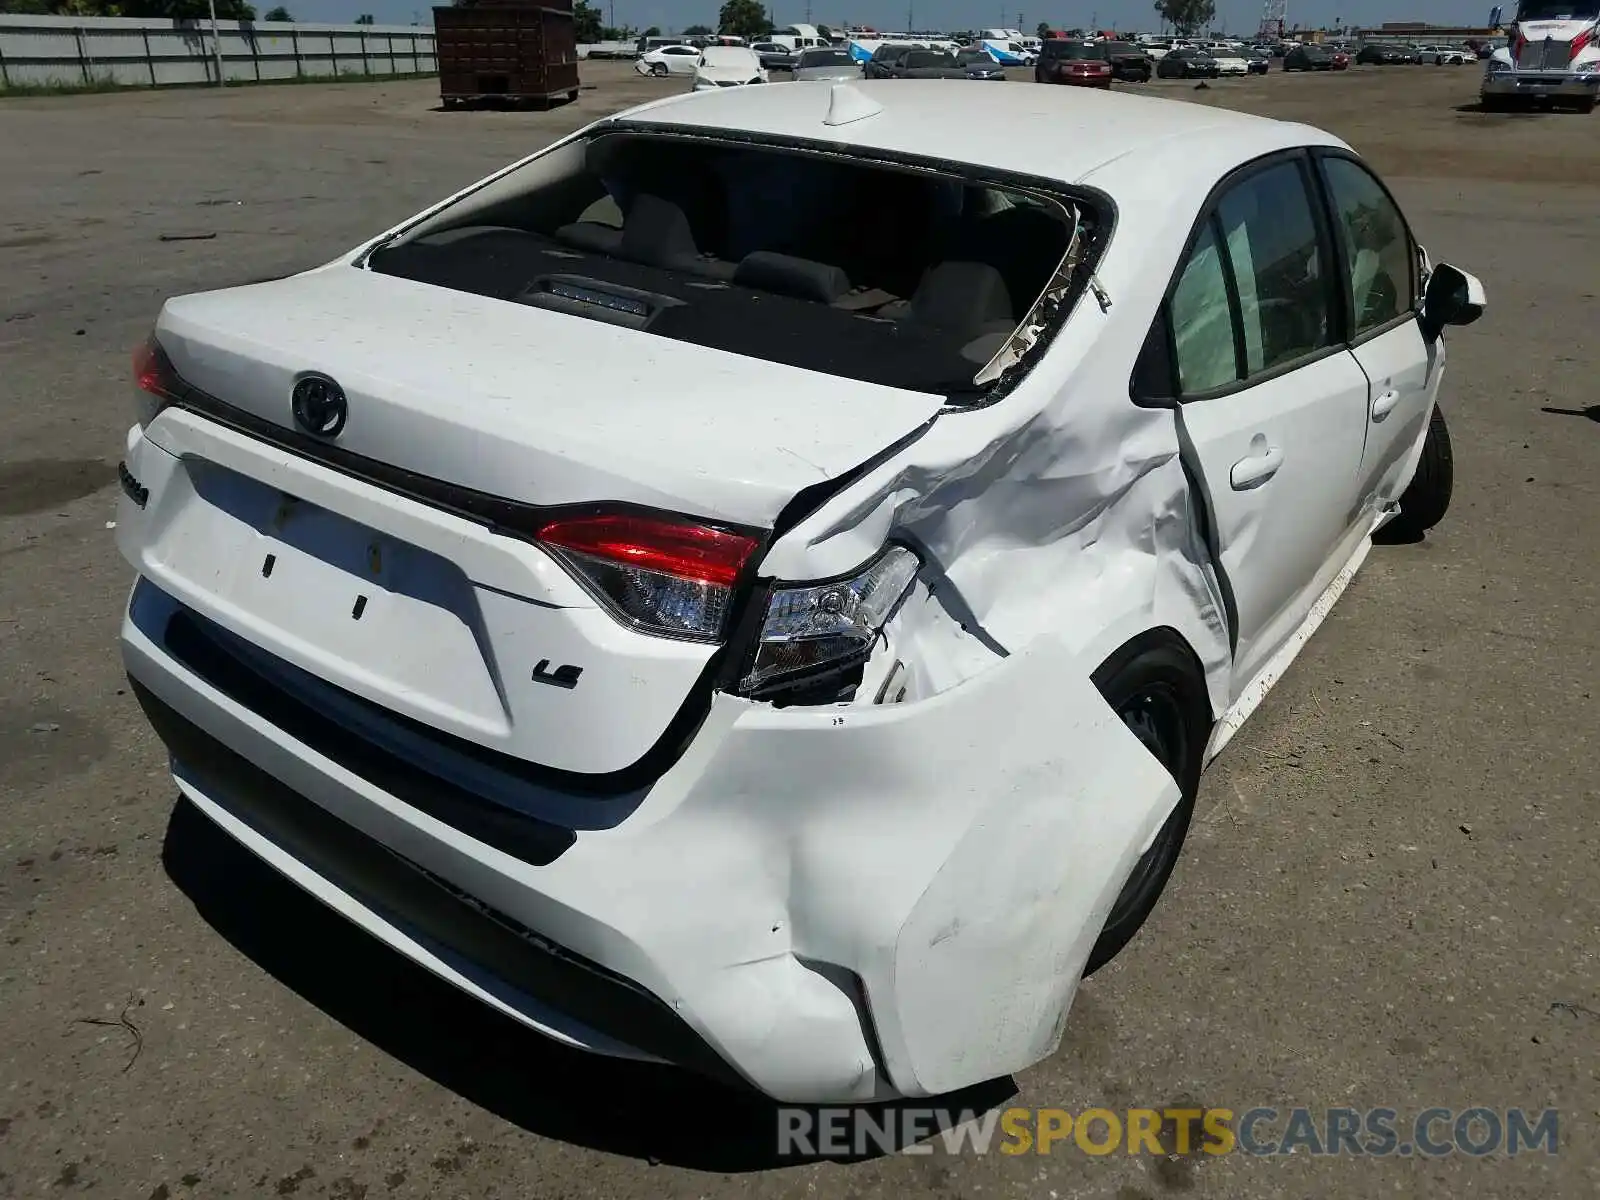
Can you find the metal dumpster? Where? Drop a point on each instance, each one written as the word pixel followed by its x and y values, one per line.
pixel 509 50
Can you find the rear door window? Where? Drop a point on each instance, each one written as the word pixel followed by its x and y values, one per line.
pixel 1202 321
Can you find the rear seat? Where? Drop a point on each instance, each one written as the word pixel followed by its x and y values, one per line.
pixel 802 278
pixel 591 236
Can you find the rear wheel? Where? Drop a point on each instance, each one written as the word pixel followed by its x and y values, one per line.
pixel 658 69
pixel 1427 497
pixel 1161 697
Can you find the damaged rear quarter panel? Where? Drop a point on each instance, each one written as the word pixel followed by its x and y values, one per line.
pixel 988 961
pixel 1054 526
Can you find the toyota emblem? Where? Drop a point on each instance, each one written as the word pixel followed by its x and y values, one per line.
pixel 320 407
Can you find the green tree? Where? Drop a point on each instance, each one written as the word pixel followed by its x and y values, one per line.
pixel 278 14
pixel 365 19
pixel 825 33
pixel 1186 16
pixel 743 18
pixel 698 31
pixel 653 31
pixel 586 17
pixel 1043 30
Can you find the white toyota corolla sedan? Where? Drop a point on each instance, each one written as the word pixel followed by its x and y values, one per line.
pixel 755 584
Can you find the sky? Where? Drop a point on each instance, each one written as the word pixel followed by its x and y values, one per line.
pixel 1238 16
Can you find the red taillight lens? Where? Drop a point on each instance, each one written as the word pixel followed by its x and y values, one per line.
pixel 156 378
pixel 663 575
pixel 153 371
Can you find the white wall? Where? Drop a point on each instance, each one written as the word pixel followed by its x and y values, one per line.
pixel 149 52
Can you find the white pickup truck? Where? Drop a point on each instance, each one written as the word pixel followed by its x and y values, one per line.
pixel 1554 56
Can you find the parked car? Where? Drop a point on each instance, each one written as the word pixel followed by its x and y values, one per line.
pixel 924 64
pixel 827 63
pixel 979 64
pixel 668 60
pixel 1309 57
pixel 1444 56
pixel 774 55
pixel 1258 59
pixel 1386 56
pixel 877 67
pixel 1077 63
pixel 1230 62
pixel 1187 63
pixel 728 66
pixel 1129 62
pixel 820 725
pixel 1378 55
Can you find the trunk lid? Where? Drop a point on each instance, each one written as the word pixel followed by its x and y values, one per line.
pixel 532 405
pixel 458 633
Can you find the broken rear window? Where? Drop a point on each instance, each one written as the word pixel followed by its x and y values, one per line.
pixel 917 279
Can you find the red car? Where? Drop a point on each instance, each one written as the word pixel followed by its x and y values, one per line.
pixel 1078 63
pixel 1341 60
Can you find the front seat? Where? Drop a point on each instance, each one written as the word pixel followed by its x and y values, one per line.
pixel 966 301
pixel 657 233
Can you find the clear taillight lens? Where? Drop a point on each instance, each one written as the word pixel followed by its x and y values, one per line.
pixel 815 628
pixel 663 576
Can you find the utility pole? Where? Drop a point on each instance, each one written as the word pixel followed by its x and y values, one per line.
pixel 216 41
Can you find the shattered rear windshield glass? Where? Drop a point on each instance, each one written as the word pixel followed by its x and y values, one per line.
pixel 914 279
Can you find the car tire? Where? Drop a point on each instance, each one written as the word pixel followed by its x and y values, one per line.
pixel 659 70
pixel 1427 497
pixel 1586 105
pixel 1159 691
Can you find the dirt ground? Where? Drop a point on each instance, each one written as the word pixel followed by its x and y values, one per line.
pixel 1388 898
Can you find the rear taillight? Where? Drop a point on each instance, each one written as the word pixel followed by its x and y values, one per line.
pixel 814 633
pixel 156 378
pixel 662 575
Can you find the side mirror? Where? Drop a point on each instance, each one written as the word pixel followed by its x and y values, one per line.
pixel 1452 298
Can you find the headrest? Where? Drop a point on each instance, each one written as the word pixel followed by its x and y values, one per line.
pixel 801 278
pixel 656 232
pixel 961 296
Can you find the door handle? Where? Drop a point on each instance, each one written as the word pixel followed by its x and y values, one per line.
pixel 1259 467
pixel 1384 402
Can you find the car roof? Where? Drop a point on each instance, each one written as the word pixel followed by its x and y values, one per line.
pixel 1053 133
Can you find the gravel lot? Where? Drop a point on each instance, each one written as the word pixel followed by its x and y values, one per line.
pixel 1388 898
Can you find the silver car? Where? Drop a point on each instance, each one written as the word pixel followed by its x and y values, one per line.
pixel 826 63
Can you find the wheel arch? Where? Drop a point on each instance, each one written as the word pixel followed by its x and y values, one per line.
pixel 1159 637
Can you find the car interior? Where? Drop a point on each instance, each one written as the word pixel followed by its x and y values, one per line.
pixel 907 278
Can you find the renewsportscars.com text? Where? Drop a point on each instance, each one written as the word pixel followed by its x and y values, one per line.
pixel 1474 1131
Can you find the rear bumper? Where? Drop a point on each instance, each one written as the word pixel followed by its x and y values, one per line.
pixel 1524 83
pixel 827 904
